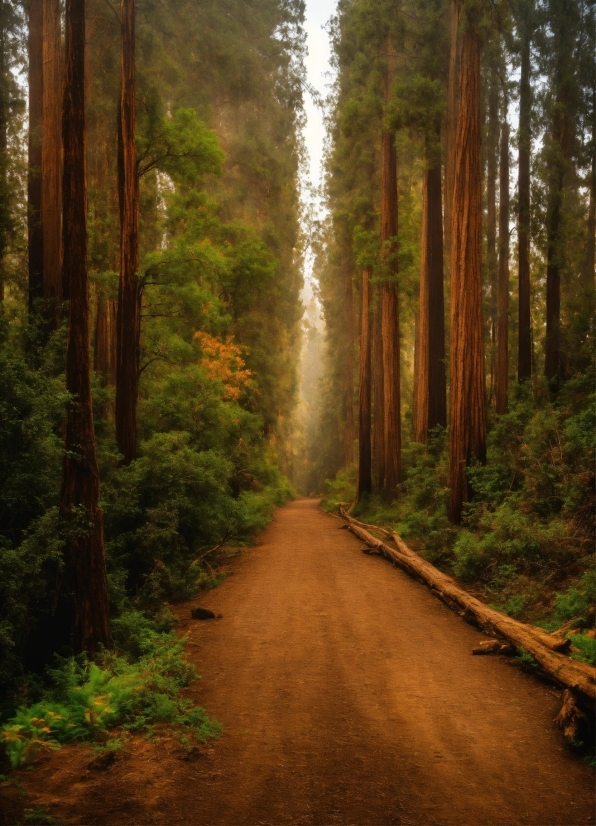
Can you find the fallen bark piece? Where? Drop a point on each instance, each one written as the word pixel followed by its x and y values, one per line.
pixel 544 648
pixel 573 722
pixel 488 647
pixel 202 614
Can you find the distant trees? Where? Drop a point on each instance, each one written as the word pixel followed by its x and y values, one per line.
pixel 453 182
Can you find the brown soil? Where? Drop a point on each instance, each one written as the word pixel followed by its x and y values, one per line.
pixel 349 695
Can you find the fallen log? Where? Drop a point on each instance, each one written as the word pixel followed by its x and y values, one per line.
pixel 573 675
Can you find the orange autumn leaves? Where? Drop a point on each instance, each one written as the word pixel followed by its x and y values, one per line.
pixel 222 361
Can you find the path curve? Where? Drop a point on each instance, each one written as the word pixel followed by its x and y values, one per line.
pixel 349 695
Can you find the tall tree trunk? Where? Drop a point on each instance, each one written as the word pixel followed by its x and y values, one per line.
pixel 349 368
pixel 590 246
pixel 431 400
pixel 129 298
pixel 5 211
pixel 503 297
pixel 491 222
pixel 561 137
pixel 451 116
pixel 552 362
pixel 378 435
pixel 364 411
pixel 389 298
pixel 104 356
pixel 524 356
pixel 34 224
pixel 51 158
pixel 467 413
pixel 79 495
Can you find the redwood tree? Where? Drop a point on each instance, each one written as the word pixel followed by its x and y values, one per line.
pixel 129 297
pixel 564 92
pixel 79 496
pixel 389 298
pixel 451 115
pixel 378 403
pixel 492 141
pixel 430 398
pixel 467 413
pixel 51 157
pixel 349 368
pixel 524 353
pixel 364 406
pixel 503 286
pixel 34 223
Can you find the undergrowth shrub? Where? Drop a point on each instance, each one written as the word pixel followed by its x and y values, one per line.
pixel 340 489
pixel 528 528
pixel 86 699
pixel 173 503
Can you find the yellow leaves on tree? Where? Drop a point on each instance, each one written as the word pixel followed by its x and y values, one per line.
pixel 222 360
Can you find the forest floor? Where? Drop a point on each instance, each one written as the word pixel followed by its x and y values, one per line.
pixel 348 695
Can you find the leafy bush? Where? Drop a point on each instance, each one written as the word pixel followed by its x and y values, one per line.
pixel 575 601
pixel 339 490
pixel 587 648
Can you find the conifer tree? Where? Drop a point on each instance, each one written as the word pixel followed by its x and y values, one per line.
pixel 129 297
pixel 524 357
pixel 503 286
pixel 563 22
pixel 364 407
pixel 430 399
pixel 51 159
pixel 467 416
pixel 85 579
pixel 451 117
pixel 34 218
pixel 389 297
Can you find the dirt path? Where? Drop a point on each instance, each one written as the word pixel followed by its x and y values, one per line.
pixel 349 696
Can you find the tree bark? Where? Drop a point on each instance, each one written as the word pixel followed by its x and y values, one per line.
pixel 552 363
pixel 79 495
pixel 51 158
pixel 591 245
pixel 545 648
pixel 104 355
pixel 431 400
pixel 389 298
pixel 349 369
pixel 129 298
pixel 5 207
pixel 378 434
pixel 467 415
pixel 364 412
pixel 34 224
pixel 503 293
pixel 561 133
pixel 491 224
pixel 451 117
pixel 524 357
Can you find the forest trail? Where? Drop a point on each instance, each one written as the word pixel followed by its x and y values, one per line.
pixel 349 695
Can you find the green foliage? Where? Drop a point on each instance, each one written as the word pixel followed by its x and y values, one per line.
pixel 587 648
pixel 575 601
pixel 526 659
pixel 90 698
pixel 340 490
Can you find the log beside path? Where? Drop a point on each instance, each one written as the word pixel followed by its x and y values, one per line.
pixel 577 679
